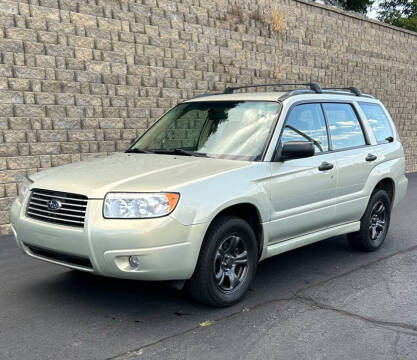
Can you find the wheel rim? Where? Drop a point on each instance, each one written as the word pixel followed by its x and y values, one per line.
pixel 230 263
pixel 377 222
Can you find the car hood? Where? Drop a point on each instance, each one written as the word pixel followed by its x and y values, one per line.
pixel 131 173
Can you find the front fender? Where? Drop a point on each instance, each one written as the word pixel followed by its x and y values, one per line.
pixel 200 202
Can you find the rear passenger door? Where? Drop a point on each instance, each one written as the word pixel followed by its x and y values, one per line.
pixel 355 160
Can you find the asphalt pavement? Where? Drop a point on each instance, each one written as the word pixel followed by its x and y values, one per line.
pixel 323 301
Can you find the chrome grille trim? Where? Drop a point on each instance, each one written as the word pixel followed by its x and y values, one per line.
pixel 46 206
pixel 61 197
pixel 52 219
pixel 46 200
pixel 72 212
pixel 52 212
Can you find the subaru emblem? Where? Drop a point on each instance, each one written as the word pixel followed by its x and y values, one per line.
pixel 54 204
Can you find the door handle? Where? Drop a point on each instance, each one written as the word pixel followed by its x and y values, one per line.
pixel 371 157
pixel 325 166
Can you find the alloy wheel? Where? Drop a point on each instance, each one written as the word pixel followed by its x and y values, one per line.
pixel 230 263
pixel 377 221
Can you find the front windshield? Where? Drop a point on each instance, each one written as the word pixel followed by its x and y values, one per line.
pixel 224 129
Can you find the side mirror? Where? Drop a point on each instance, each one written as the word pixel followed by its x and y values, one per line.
pixel 296 150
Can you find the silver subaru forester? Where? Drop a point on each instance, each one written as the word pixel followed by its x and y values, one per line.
pixel 219 183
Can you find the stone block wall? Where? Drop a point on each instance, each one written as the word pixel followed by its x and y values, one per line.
pixel 81 78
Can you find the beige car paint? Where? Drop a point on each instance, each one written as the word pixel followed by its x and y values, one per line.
pixel 296 203
pixel 298 188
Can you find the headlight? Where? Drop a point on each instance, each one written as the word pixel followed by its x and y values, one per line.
pixel 23 188
pixel 139 205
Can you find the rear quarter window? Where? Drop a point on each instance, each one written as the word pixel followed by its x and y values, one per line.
pixel 378 121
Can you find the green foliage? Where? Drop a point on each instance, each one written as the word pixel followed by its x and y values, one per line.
pixel 402 13
pixel 359 6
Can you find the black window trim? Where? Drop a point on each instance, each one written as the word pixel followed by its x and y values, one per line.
pixel 278 146
pixel 329 139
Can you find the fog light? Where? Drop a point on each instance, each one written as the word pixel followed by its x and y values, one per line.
pixel 134 261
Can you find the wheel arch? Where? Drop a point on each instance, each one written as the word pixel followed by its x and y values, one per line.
pixel 387 184
pixel 248 212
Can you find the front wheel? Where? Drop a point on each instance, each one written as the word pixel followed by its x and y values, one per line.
pixel 227 263
pixel 374 223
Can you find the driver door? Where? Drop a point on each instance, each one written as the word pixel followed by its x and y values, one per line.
pixel 302 191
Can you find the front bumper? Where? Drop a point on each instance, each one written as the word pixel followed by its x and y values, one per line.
pixel 167 249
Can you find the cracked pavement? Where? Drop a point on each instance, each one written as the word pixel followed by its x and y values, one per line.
pixel 323 301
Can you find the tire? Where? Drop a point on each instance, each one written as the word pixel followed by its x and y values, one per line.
pixel 374 223
pixel 222 276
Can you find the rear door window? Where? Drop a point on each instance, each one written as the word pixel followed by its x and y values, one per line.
pixel 378 121
pixel 345 129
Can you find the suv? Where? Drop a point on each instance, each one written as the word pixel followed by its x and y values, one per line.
pixel 219 183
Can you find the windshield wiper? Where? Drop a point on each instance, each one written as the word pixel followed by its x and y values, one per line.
pixel 179 151
pixel 138 151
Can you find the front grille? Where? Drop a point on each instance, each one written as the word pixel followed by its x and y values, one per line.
pixel 71 212
pixel 60 256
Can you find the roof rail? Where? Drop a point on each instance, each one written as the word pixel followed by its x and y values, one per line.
pixel 353 89
pixel 313 86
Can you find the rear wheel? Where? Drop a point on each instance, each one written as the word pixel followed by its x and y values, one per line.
pixel 227 263
pixel 374 223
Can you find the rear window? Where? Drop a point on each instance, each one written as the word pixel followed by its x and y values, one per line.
pixel 345 129
pixel 378 121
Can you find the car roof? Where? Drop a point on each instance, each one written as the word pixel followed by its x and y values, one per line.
pixel 311 88
pixel 280 96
